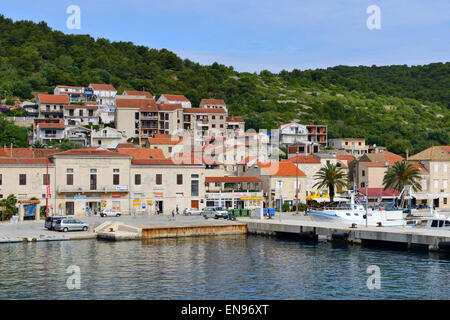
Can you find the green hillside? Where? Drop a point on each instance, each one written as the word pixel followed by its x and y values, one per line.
pixel 395 106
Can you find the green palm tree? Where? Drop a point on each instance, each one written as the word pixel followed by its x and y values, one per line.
pixel 400 175
pixel 330 177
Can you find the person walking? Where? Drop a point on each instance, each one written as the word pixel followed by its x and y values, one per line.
pixel 177 210
pixel 173 215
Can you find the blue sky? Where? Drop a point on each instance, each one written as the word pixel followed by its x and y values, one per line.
pixel 255 35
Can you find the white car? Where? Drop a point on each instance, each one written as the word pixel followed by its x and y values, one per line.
pixel 110 213
pixel 191 211
pixel 214 212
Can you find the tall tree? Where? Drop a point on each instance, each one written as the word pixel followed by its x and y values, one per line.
pixel 330 177
pixel 400 175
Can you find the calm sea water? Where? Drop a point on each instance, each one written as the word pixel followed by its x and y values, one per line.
pixel 228 267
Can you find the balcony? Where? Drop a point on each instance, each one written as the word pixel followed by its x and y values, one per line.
pixel 148 117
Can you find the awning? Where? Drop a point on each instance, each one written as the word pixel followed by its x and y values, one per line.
pixel 337 199
pixel 426 196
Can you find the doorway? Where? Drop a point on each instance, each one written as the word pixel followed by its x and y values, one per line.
pixel 436 203
pixel 194 204
pixel 70 208
pixel 159 203
pixel 94 207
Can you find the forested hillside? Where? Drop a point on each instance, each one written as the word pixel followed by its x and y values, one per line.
pixel 396 106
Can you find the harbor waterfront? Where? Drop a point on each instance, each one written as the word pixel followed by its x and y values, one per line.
pixel 220 267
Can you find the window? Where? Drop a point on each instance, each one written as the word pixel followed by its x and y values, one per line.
pixel 179 179
pixel 115 179
pixel 69 178
pixel 170 149
pixel 46 180
pixel 445 200
pixel 93 170
pixel 0 179
pixel 434 223
pixel 70 112
pixel 159 179
pixel 279 184
pixel 221 125
pixel 436 168
pixel 22 179
pixel 445 184
pixel 116 170
pixel 194 188
pixel 436 184
pixel 213 125
pixel 137 179
pixel 213 117
pixel 363 173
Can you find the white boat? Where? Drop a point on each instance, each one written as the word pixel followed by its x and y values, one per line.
pixel 356 213
pixel 438 222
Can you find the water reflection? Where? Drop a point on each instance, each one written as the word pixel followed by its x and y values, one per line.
pixel 227 267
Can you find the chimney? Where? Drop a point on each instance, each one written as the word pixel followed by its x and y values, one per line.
pixel 406 154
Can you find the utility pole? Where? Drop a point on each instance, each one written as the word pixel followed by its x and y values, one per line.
pixel 367 203
pixel 296 184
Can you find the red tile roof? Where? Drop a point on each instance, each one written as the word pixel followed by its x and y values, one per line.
pixel 51 125
pixel 94 151
pixel 421 168
pixel 175 97
pixel 142 153
pixel 232 179
pixel 214 101
pixel 143 104
pixel 376 192
pixel 54 98
pixel 234 119
pixel 373 164
pixel 204 110
pixel 139 93
pixel 156 162
pixel 27 152
pixel 107 87
pixel 347 157
pixel 169 106
pixel 164 140
pixel 25 161
pixel 284 169
pixel 126 145
pixel 303 159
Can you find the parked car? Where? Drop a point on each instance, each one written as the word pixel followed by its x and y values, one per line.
pixel 214 212
pixel 191 211
pixel 110 213
pixel 71 224
pixel 50 222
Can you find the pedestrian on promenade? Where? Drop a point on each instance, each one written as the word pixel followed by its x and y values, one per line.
pixel 173 214
pixel 177 210
pixel 156 209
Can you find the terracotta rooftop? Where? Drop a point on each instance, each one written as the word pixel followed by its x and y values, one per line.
pixel 376 192
pixel 433 153
pixel 142 153
pixel 139 93
pixel 54 98
pixel 282 169
pixel 234 119
pixel 27 152
pixel 51 125
pixel 175 97
pixel 303 159
pixel 232 179
pixel 382 157
pixel 25 161
pixel 93 151
pixel 220 102
pixel 126 145
pixel 107 87
pixel 143 104
pixel 421 168
pixel 347 157
pixel 169 106
pixel 164 140
pixel 204 110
